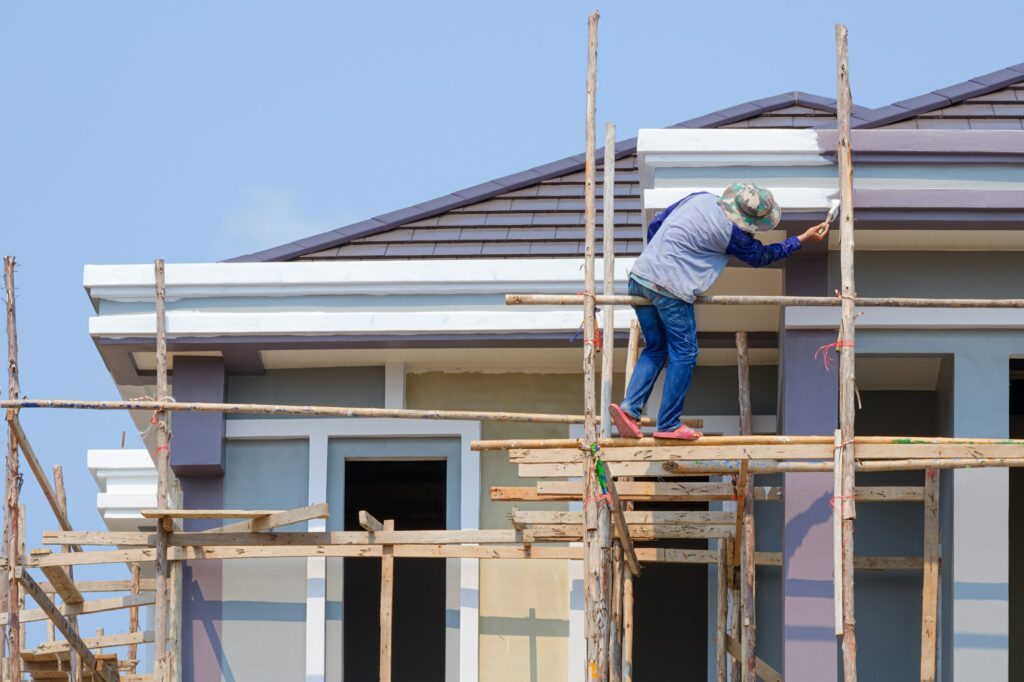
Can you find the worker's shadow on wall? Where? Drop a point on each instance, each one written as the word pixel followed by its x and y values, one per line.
pixel 209 614
pixel 531 627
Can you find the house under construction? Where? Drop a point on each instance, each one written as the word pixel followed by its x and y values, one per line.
pixel 376 454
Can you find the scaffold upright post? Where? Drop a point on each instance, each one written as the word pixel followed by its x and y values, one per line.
pixel 597 533
pixel 12 484
pixel 161 625
pixel 846 348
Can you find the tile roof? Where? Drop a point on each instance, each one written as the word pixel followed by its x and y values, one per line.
pixel 931 105
pixel 539 212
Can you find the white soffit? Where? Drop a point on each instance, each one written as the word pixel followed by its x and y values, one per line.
pixel 897 373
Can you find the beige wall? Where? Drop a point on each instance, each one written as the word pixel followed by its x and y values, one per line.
pixel 524 605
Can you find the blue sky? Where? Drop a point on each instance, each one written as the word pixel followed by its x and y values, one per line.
pixel 197 131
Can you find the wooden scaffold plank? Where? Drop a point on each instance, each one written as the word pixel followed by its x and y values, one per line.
pixel 108 673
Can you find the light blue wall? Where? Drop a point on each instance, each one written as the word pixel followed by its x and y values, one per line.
pixel 264 607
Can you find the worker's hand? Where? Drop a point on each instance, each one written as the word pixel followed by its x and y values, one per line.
pixel 814 234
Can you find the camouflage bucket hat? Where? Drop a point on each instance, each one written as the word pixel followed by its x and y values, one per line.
pixel 750 207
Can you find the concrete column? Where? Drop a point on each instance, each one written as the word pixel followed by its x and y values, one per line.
pixel 197 456
pixel 808 405
pixel 979 623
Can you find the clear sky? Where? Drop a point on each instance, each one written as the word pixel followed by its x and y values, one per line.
pixel 198 131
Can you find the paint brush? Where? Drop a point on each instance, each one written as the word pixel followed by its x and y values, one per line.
pixel 833 213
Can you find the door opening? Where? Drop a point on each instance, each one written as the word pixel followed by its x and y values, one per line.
pixel 413 494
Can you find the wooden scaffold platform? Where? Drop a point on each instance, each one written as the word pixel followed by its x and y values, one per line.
pixel 608 475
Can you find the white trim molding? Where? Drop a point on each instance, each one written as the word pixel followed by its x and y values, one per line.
pixel 827 317
pixel 133 283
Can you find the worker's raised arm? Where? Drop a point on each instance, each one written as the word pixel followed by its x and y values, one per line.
pixel 748 249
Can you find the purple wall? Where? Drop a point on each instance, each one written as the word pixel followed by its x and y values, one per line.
pixel 197 457
pixel 198 448
pixel 809 404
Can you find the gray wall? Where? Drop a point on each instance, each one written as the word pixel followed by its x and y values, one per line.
pixel 938 274
pixel 264 610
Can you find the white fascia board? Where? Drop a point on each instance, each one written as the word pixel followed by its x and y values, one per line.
pixel 306 323
pixel 127 483
pixel 105 463
pixel 796 199
pixel 727 140
pixel 827 317
pixel 470 276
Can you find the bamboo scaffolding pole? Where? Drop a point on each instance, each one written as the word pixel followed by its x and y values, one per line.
pixel 37 470
pixel 847 387
pixel 21 552
pixel 608 261
pixel 303 411
pixel 867 302
pixel 175 593
pixel 161 625
pixel 597 526
pixel 12 482
pixel 387 590
pixel 735 628
pixel 740 482
pixel 748 625
pixel 746 425
pixel 627 627
pixel 615 644
pixel 930 578
pixel 74 660
pixel 722 611
pixel 135 589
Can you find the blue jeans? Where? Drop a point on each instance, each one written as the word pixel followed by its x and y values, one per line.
pixel 670 332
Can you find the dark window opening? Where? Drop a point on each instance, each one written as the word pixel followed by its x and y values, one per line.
pixel 413 494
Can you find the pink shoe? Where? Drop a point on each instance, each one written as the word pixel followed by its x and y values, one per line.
pixel 684 432
pixel 624 424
